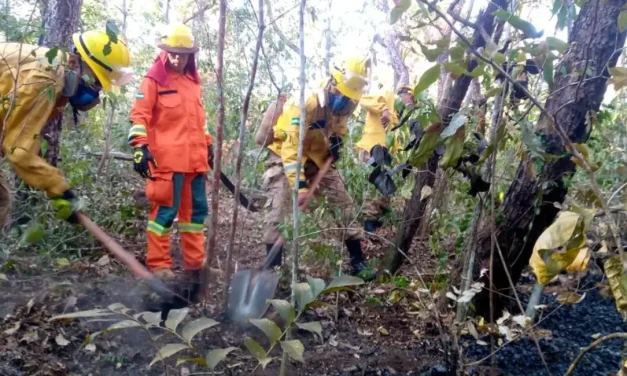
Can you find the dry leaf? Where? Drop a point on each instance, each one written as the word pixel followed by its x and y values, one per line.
pixel 425 192
pixel 383 331
pixel 568 298
pixel 71 302
pixel 14 329
pixel 522 320
pixel 60 340
pixel 451 296
pixel 503 318
pixel 103 261
pixel 472 330
pixel 482 343
pixel 90 347
pixel 596 336
pixel 364 332
pixel 416 333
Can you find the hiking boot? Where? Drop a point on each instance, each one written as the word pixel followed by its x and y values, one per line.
pixel 278 259
pixel 371 225
pixel 164 274
pixel 358 265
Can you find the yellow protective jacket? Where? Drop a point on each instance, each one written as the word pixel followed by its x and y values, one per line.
pixel 374 132
pixel 38 98
pixel 320 126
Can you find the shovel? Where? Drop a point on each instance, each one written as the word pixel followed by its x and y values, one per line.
pixel 251 289
pixel 170 299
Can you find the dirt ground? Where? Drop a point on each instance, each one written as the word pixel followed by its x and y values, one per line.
pixel 358 338
pixel 365 332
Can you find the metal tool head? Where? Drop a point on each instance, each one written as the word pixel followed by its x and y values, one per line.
pixel 249 292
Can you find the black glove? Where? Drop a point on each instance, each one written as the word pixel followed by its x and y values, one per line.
pixel 65 206
pixel 336 144
pixel 210 154
pixel 141 157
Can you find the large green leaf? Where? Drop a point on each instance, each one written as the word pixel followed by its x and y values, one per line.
pixel 285 309
pixel 196 326
pixel 427 79
pixel 457 122
pixel 303 295
pixel 455 68
pixel 214 357
pixel 342 282
pixel 398 10
pixel 257 351
pixel 316 285
pixel 124 324
pixel 175 317
pixel 556 44
pixel 622 21
pixel 90 313
pixel 427 145
pixel 33 234
pixel 531 140
pixel 167 351
pixel 267 326
pixel 313 327
pixel 431 54
pixel 457 52
pixel 294 348
pixel 454 149
pixel 548 72
pixel 526 27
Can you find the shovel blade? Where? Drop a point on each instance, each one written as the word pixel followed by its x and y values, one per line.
pixel 248 294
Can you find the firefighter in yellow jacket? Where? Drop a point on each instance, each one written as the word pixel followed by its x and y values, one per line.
pixel 43 86
pixel 380 117
pixel 327 116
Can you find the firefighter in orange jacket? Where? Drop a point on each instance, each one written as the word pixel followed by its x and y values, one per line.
pixel 172 147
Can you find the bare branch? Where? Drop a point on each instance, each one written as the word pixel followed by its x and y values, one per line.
pixel 276 29
pixel 594 344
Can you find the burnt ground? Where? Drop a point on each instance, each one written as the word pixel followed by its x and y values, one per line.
pixel 370 331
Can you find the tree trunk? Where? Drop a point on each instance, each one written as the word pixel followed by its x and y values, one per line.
pixel 528 208
pixel 415 211
pixel 60 20
pixel 393 47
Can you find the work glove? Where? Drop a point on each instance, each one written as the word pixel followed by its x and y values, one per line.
pixel 336 144
pixel 65 206
pixel 141 157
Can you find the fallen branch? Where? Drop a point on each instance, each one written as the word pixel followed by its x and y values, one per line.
pixel 594 344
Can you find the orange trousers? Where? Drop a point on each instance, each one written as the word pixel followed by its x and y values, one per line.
pixel 173 194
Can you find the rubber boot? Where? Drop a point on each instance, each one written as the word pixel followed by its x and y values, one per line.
pixel 372 225
pixel 358 265
pixel 278 259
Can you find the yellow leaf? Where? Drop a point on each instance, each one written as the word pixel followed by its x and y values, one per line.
pixel 383 331
pixel 568 298
pixel 581 261
pixel 619 77
pixel 614 273
pixel 425 192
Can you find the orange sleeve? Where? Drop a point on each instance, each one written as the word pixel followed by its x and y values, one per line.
pixel 141 113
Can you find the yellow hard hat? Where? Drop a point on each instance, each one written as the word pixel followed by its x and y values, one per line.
pixel 178 39
pixel 113 69
pixel 352 78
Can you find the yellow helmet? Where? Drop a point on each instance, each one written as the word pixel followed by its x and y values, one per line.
pixel 178 39
pixel 352 78
pixel 113 68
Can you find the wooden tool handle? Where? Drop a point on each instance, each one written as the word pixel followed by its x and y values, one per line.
pixel 316 182
pixel 112 246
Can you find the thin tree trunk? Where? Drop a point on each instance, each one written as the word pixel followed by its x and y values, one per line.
pixel 415 211
pixel 393 47
pixel 61 19
pixel 217 153
pixel 529 207
pixel 240 154
pixel 327 41
pixel 166 13
pixel 277 30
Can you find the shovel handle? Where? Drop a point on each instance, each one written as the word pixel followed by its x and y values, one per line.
pixel 316 182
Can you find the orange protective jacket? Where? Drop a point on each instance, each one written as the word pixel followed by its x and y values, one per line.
pixel 169 117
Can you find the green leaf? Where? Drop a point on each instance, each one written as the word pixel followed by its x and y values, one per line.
pixel 106 50
pixel 342 283
pixel 257 351
pixel 619 77
pixel 457 122
pixel 313 327
pixel 214 357
pixel 622 21
pixel 457 52
pixel 454 149
pixel 33 234
pixel 557 44
pixel 267 326
pixel 452 67
pixel 51 54
pixel 494 91
pixel 184 359
pixel 168 350
pixel 316 285
pixel 90 313
pixel 430 54
pixel 526 27
pixel 478 71
pixel 548 72
pixel 112 32
pixel 398 10
pixel 196 326
pixel 498 58
pixel 152 318
pixel 427 145
pixel 285 309
pixel 531 140
pixel 124 324
pixel 294 348
pixel 175 317
pixel 118 307
pixel 3 277
pixel 303 294
pixel 427 79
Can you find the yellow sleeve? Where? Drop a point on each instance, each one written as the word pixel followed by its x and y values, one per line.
pixel 290 127
pixel 373 103
pixel 36 100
